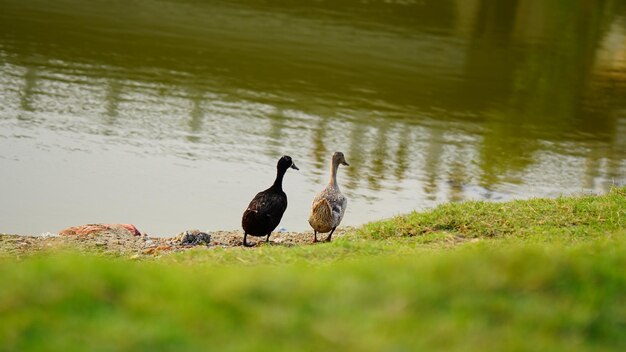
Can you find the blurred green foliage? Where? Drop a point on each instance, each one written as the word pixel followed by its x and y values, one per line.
pixel 525 275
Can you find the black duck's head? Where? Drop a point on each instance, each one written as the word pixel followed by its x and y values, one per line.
pixel 339 158
pixel 285 162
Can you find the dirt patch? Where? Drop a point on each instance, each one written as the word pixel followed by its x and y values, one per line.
pixel 117 241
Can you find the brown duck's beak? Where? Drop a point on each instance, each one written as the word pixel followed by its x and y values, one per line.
pixel 293 166
pixel 345 163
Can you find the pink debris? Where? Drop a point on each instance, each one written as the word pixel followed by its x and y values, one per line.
pixel 131 228
pixel 95 228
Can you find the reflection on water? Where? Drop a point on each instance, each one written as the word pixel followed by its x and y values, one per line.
pixel 172 114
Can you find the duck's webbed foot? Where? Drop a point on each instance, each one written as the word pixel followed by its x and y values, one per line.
pixel 331 235
pixel 245 243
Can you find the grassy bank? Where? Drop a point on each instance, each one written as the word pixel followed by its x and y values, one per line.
pixel 525 275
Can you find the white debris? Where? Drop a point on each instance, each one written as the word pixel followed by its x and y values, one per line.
pixel 48 235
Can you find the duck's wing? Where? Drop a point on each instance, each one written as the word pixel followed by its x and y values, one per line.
pixel 321 218
pixel 264 213
pixel 339 208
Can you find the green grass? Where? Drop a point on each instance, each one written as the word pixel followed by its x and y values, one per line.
pixel 524 275
pixel 562 219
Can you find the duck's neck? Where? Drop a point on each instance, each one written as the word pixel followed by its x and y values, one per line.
pixel 278 183
pixel 333 174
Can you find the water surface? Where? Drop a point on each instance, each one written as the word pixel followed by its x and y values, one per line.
pixel 172 114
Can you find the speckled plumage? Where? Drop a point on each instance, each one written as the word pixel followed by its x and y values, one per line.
pixel 329 206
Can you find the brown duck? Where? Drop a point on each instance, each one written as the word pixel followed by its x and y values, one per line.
pixel 329 205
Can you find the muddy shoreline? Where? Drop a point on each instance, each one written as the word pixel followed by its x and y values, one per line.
pixel 119 242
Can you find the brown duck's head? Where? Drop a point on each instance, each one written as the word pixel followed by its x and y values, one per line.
pixel 339 158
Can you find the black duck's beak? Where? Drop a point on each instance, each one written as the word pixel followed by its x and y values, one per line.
pixel 345 163
pixel 293 166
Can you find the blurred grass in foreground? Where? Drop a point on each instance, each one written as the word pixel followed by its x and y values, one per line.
pixel 524 275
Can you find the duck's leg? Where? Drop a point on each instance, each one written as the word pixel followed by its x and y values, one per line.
pixel 314 236
pixel 331 234
pixel 267 239
pixel 245 243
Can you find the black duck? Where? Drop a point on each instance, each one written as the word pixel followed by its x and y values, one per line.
pixel 267 208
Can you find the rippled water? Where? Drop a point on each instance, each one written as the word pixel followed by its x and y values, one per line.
pixel 172 114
